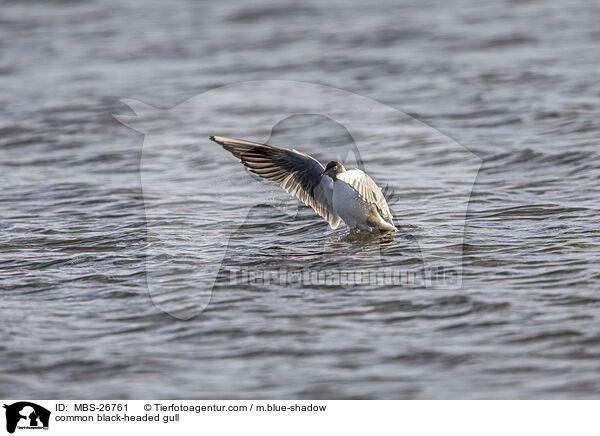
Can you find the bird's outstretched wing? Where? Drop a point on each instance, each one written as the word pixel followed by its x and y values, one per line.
pixel 368 190
pixel 296 172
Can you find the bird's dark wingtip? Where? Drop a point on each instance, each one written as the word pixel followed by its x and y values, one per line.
pixel 212 138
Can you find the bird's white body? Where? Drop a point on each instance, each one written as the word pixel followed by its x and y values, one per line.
pixel 355 211
pixel 350 207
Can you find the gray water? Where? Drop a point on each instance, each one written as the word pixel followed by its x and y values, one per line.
pixel 516 83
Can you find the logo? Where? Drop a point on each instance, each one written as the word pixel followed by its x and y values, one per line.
pixel 26 415
pixel 201 210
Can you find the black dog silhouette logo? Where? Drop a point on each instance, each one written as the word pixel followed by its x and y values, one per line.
pixel 26 415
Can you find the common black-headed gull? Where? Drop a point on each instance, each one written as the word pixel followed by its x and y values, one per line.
pixel 333 192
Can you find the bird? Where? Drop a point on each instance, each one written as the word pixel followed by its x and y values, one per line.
pixel 334 192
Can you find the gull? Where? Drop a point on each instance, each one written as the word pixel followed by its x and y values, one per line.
pixel 333 191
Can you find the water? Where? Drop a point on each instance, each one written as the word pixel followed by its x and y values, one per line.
pixel 514 82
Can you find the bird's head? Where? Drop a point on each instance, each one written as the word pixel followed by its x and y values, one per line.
pixel 332 169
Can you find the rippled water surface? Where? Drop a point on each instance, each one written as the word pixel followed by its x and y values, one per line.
pixel 515 83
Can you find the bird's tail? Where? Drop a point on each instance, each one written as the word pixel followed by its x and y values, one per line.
pixel 387 227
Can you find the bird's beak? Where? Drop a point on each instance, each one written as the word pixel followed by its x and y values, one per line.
pixel 323 172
